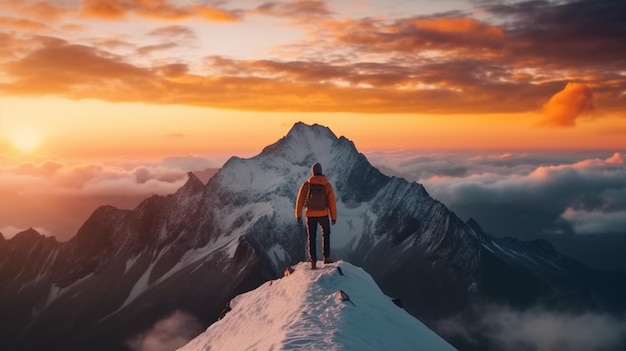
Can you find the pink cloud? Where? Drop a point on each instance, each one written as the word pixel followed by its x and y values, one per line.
pixel 60 196
pixel 617 159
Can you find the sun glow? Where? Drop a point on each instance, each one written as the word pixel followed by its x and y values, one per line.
pixel 25 139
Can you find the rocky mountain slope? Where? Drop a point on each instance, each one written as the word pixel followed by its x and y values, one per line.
pixel 196 249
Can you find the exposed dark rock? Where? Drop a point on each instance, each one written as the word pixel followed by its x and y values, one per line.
pixel 196 249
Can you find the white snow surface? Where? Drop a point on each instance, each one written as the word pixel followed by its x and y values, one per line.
pixel 305 311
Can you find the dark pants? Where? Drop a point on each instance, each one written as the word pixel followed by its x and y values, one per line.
pixel 311 229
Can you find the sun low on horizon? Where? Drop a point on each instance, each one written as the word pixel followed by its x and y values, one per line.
pixel 155 154
pixel 388 74
pixel 25 139
pixel 95 94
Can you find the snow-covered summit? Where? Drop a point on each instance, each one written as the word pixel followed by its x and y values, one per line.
pixel 196 249
pixel 304 144
pixel 303 131
pixel 337 307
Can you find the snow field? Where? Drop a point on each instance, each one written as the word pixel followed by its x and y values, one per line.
pixel 306 311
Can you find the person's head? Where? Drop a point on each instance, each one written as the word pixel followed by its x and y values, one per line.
pixel 316 169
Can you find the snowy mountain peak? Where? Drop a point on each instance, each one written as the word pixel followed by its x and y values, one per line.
pixel 336 307
pixel 304 144
pixel 315 131
pixel 197 249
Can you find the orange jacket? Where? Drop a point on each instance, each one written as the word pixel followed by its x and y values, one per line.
pixel 330 196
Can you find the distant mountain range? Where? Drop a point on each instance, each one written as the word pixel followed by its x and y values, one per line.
pixel 198 248
pixel 603 251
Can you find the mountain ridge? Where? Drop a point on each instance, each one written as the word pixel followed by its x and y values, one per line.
pixel 238 230
pixel 335 307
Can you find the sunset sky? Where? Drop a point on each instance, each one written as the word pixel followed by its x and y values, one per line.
pixel 112 100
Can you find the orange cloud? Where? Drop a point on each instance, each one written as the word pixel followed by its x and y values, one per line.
pixel 617 159
pixel 78 72
pixel 60 67
pixel 215 14
pixel 46 10
pixel 451 35
pixel 172 70
pixel 567 105
pixel 42 10
pixel 389 64
pixel 160 9
pixel 434 64
pixel 112 43
pixel 21 23
pixel 459 25
pixel 110 9
pixel 50 10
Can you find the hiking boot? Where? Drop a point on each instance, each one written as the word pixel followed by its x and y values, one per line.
pixel 327 260
pixel 313 265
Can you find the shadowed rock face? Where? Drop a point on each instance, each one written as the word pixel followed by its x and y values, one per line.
pixel 121 272
pixel 196 249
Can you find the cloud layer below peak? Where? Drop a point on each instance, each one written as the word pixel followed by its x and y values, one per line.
pixel 525 195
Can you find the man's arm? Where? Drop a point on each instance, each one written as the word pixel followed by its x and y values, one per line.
pixel 304 189
pixel 332 205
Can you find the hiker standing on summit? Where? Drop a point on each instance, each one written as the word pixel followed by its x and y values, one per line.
pixel 318 197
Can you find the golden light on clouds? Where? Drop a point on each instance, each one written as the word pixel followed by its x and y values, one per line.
pixel 460 25
pixel 112 101
pixel 490 71
pixel 567 105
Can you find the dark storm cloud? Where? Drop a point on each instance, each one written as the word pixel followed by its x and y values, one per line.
pixel 583 34
pixel 587 32
pixel 525 195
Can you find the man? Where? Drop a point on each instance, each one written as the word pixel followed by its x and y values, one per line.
pixel 317 195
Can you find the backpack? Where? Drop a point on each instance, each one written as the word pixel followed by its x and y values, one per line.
pixel 316 199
